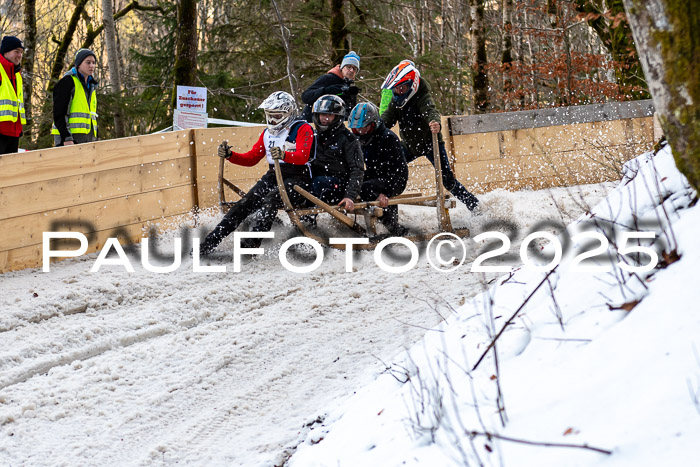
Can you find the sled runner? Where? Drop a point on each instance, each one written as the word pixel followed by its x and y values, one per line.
pixel 368 211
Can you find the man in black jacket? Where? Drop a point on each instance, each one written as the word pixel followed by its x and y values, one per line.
pixel 338 166
pixel 339 82
pixel 386 171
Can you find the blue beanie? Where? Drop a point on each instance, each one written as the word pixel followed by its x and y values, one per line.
pixel 10 43
pixel 351 59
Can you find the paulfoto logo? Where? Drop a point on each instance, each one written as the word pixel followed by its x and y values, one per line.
pixel 589 250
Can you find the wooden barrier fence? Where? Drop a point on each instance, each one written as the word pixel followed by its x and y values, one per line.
pixel 120 188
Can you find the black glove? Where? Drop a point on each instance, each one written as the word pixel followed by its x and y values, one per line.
pixel 277 153
pixel 336 89
pixel 224 150
pixel 353 90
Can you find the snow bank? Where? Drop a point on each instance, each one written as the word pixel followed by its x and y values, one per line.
pixel 581 365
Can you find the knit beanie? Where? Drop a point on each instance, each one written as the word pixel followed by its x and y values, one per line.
pixel 81 55
pixel 351 59
pixel 10 43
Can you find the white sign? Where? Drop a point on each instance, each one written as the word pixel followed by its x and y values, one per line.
pixel 182 120
pixel 192 99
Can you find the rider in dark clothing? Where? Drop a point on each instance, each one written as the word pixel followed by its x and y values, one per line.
pixel 414 110
pixel 386 172
pixel 338 167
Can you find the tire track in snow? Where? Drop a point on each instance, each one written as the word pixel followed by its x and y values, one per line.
pixel 22 374
pixel 44 317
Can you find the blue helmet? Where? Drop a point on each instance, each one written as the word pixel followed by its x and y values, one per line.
pixel 363 114
pixel 364 121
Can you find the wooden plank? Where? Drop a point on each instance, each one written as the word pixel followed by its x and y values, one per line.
pixel 31 256
pixel 582 166
pixel 92 217
pixel 421 176
pixel 100 186
pixel 477 147
pixel 519 142
pixel 511 168
pixel 536 183
pixel 47 164
pixel 206 142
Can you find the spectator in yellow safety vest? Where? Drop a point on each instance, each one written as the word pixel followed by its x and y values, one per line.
pixel 11 97
pixel 75 102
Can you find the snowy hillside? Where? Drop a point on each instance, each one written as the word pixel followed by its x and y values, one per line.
pixel 604 364
pixel 118 368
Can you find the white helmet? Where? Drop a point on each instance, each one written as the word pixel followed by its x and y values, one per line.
pixel 280 111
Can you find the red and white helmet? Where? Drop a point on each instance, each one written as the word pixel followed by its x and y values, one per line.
pixel 403 73
pixel 280 111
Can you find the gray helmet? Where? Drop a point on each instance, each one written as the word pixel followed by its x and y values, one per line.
pixel 328 104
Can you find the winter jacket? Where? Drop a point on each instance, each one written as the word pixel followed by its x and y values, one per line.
pixel 339 154
pixel 11 128
pixel 294 163
pixel 62 96
pixel 384 160
pixel 413 120
pixel 330 83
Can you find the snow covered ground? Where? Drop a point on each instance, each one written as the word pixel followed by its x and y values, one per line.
pixel 117 368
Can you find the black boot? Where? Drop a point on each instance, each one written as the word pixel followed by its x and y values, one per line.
pixel 390 219
pixel 209 244
pixel 464 196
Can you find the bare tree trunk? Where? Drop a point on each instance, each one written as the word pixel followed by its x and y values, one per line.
pixel 113 61
pixel 28 64
pixel 185 68
pixel 666 33
pixel 569 95
pixel 481 80
pixel 507 55
pixel 291 74
pixel 339 41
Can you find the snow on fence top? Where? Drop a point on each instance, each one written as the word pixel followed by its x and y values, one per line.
pixel 464 125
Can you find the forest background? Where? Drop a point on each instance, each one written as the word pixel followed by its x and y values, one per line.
pixel 478 55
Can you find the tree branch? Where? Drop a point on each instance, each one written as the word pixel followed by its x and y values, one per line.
pixel 537 443
pixel 507 323
pixel 134 5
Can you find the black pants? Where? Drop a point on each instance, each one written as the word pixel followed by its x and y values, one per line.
pixel 261 203
pixel 328 188
pixel 9 144
pixel 448 177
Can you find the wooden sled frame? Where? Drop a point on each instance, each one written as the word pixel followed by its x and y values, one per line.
pixel 369 210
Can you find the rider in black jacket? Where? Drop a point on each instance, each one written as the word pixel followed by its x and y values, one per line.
pixel 386 172
pixel 338 167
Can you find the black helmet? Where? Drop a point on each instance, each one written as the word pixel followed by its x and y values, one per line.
pixel 328 104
